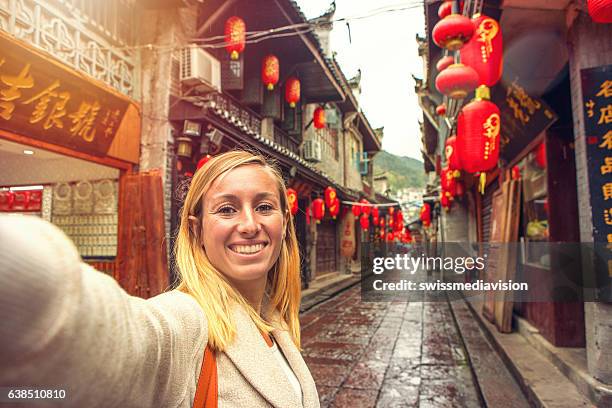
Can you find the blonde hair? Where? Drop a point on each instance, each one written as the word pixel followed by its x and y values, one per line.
pixel 199 278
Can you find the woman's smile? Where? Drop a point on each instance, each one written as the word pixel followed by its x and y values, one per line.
pixel 248 249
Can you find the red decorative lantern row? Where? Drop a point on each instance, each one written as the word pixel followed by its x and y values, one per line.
pixel 365 206
pixel 318 118
pixel 356 210
pixel 235 36
pixel 453 161
pixel 364 221
pixel 203 161
pixel 600 10
pixel 446 8
pixel 292 91
pixel 330 195
pixel 485 50
pixel 425 215
pixel 441 109
pixel 540 156
pixel 292 200
pixel 318 209
pixel 444 63
pixel 334 208
pixel 453 31
pixel 478 126
pixel 457 81
pixel 270 71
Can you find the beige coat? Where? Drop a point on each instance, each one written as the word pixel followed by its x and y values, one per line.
pixel 65 325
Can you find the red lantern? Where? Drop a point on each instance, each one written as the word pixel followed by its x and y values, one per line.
pixel 318 209
pixel 318 118
pixel 375 220
pixel 453 161
pixel 453 31
pixel 391 210
pixel 270 71
pixel 292 91
pixel 445 200
pixel 203 161
pixel 484 51
pixel 365 206
pixel 478 126
pixel 390 237
pixel 516 173
pixel 330 195
pixel 457 81
pixel 446 8
pixel 334 208
pixel 382 234
pixel 600 10
pixel 375 212
pixel 540 156
pixel 356 210
pixel 448 181
pixel 292 200
pixel 444 63
pixel 441 109
pixel 235 36
pixel 364 221
pixel 382 222
pixel 408 235
pixel 425 215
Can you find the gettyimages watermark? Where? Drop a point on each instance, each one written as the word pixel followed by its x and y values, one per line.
pixel 518 272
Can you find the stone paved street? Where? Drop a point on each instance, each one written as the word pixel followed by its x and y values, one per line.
pixel 386 354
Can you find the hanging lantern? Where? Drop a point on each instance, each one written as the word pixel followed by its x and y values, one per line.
pixel 484 51
pixel 365 206
pixel 445 200
pixel 390 236
pixel 235 36
pixel 445 62
pixel 391 210
pixel 375 220
pixel 457 81
pixel 382 222
pixel 441 109
pixel 425 215
pixel 453 31
pixel 391 222
pixel 448 181
pixel 540 156
pixel 364 221
pixel 203 161
pixel 478 126
pixel 270 71
pixel 600 10
pixel 408 235
pixel 356 210
pixel 375 212
pixel 330 195
pixel 184 147
pixel 451 152
pixel 292 200
pixel 516 173
pixel 334 208
pixel 318 118
pixel 318 209
pixel 446 8
pixel 292 91
pixel 382 234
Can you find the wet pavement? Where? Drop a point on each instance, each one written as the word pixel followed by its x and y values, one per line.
pixel 386 354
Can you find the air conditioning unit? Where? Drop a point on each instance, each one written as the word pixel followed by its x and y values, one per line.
pixel 200 69
pixel 312 150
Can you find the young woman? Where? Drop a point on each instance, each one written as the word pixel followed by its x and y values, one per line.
pixel 64 325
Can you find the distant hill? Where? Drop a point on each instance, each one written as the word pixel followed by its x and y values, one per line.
pixel 402 171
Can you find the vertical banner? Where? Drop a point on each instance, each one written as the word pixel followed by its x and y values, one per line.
pixel 347 241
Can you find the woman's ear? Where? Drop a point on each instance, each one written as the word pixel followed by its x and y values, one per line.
pixel 194 225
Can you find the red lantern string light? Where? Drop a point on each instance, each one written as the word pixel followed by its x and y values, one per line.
pixel 356 210
pixel 484 51
pixel 235 36
pixel 441 109
pixel 453 161
pixel 318 118
pixel 444 63
pixel 457 81
pixel 270 71
pixel 478 126
pixel 334 208
pixel 292 91
pixel 365 206
pixel 453 31
pixel 446 8
pixel 600 10
pixel 292 200
pixel 203 161
pixel 318 209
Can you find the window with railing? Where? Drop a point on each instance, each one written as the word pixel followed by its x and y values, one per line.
pixel 329 141
pixel 112 18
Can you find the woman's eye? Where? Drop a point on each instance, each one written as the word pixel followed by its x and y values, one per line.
pixel 226 210
pixel 265 207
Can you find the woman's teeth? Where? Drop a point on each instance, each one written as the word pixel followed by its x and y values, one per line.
pixel 247 249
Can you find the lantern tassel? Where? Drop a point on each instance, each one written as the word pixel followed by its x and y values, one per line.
pixel 482 183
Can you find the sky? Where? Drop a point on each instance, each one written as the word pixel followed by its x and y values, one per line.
pixel 385 49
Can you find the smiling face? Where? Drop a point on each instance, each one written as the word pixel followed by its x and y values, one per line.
pixel 243 224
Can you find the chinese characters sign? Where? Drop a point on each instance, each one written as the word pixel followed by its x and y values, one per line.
pixel 523 117
pixel 42 99
pixel 597 100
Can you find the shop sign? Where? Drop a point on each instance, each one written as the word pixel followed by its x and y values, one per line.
pixel 523 117
pixel 347 242
pixel 43 99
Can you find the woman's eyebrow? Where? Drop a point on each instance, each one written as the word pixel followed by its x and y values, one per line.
pixel 233 197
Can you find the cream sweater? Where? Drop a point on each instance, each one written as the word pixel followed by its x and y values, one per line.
pixel 64 325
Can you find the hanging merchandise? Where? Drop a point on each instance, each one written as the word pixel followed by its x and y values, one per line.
pixel 425 214
pixel 364 221
pixel 540 155
pixel 484 51
pixel 453 31
pixel 318 209
pixel 270 71
pixel 356 210
pixel 457 81
pixel 445 62
pixel 292 200
pixel 365 206
pixel 446 8
pixel 453 161
pixel 203 161
pixel 600 10
pixel 292 91
pixel 478 126
pixel 441 109
pixel 318 117
pixel 334 208
pixel 235 36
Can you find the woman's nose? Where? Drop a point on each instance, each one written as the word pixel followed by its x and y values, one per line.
pixel 248 222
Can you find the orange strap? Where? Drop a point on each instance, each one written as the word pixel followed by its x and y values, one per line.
pixel 206 391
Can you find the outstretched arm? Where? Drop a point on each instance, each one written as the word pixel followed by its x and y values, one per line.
pixel 64 325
